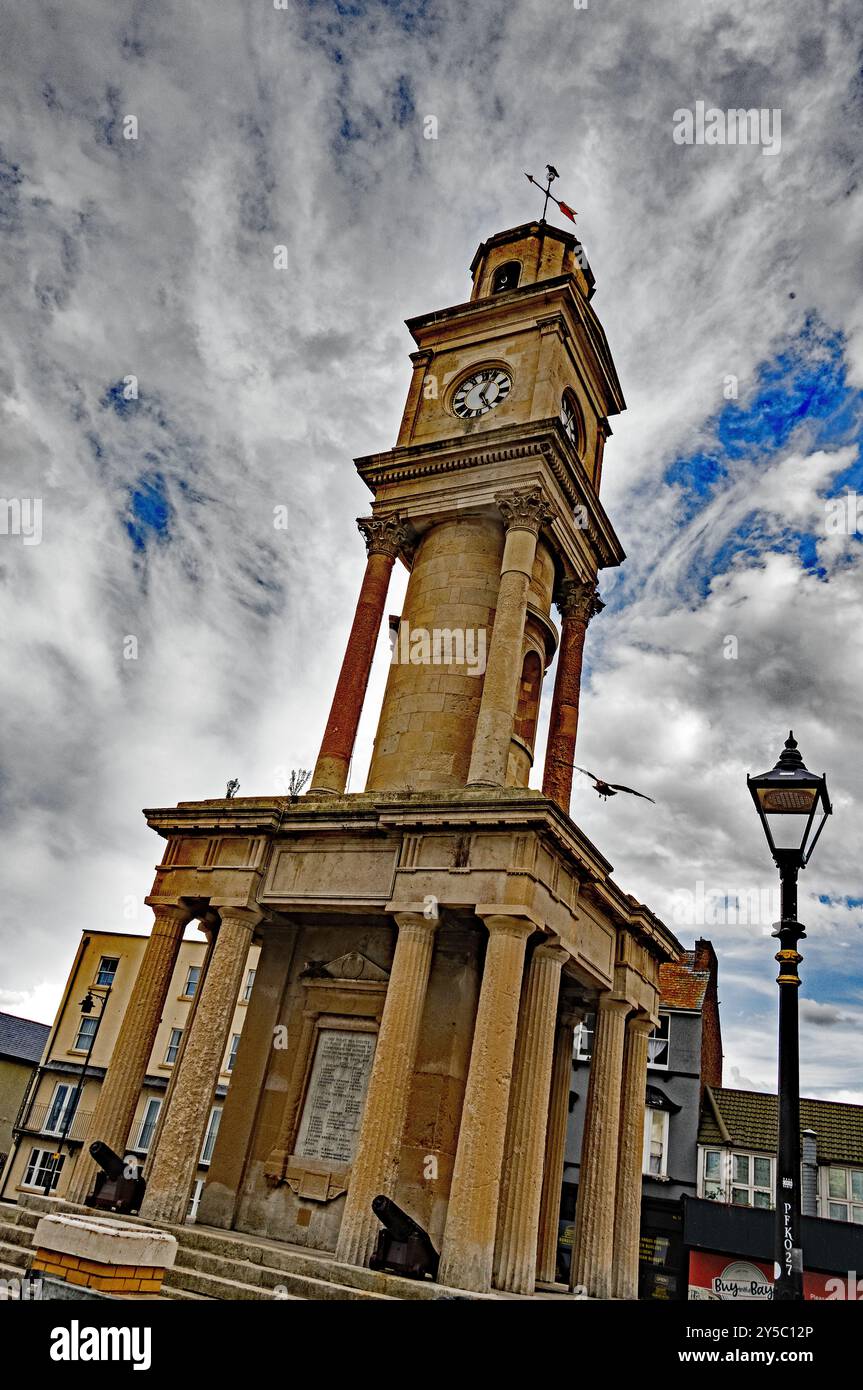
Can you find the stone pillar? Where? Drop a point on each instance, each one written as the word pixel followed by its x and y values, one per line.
pixel 375 1165
pixel 468 1243
pixel 121 1088
pixel 184 1125
pixel 578 602
pixel 248 1079
pixel 593 1246
pixel 630 1158
pixel 524 513
pixel 521 1184
pixel 384 538
pixel 555 1148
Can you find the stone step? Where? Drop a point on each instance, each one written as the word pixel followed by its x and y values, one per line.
pixel 311 1264
pixel 13 1234
pixel 185 1295
pixel 17 1255
pixel 270 1277
pixel 191 1282
pixel 9 1275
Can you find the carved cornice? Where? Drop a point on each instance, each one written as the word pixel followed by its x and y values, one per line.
pixel 385 535
pixel 578 600
pixel 525 511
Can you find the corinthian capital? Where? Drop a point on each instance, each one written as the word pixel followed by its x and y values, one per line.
pixel 525 511
pixel 384 535
pixel 578 599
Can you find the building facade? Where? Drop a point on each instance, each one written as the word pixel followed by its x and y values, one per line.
pixel 684 1056
pixel 428 945
pixel 729 1228
pixel 21 1043
pixel 54 1120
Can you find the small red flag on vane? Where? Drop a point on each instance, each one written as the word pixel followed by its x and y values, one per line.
pixel 552 175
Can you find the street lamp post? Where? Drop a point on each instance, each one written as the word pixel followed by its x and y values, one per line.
pixel 86 1006
pixel 793 805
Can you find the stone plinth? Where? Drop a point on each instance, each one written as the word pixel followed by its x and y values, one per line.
pixel 108 1256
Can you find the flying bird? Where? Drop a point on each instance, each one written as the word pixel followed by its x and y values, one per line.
pixel 607 789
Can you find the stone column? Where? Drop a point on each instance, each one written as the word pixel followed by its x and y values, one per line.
pixel 555 1147
pixel 184 1125
pixel 593 1247
pixel 121 1088
pixel 630 1158
pixel 524 513
pixel 384 537
pixel 521 1185
pixel 468 1243
pixel 578 602
pixel 375 1165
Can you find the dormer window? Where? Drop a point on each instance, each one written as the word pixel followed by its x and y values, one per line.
pixel 506 277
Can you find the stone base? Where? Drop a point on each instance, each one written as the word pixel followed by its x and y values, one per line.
pixel 102 1255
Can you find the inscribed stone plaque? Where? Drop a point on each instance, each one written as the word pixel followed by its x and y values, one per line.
pixel 337 1091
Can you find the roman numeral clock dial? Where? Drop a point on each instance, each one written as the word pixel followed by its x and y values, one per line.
pixel 480 393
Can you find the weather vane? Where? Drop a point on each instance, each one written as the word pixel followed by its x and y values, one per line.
pixel 552 175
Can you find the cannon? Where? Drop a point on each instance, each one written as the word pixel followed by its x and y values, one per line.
pixel 402 1245
pixel 119 1186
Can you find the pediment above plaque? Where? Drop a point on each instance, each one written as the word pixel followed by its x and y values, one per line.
pixel 352 966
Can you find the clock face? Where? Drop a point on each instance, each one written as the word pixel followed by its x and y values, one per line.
pixel 570 423
pixel 480 393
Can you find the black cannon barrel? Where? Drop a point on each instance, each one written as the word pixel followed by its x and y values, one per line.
pixel 108 1161
pixel 398 1223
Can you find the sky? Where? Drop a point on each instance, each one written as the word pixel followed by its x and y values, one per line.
pixel 168 380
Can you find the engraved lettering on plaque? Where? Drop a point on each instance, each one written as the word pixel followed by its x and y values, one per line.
pixel 336 1095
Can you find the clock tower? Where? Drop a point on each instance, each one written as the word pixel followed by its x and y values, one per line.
pixel 428 943
pixel 491 497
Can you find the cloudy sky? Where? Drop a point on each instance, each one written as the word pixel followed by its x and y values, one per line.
pixel 720 270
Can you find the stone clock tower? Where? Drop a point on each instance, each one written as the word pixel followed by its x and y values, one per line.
pixel 429 943
pixel 491 496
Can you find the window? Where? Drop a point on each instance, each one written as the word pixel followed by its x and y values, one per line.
pixel 583 1039
pixel 713 1185
pixel 194 1199
pixel 751 1181
pixel 530 687
pixel 192 978
pixel 657 1043
pixel 250 984
pixel 845 1194
pixel 570 416
pixel 506 277
pixel 148 1125
pixel 173 1046
pixel 64 1103
pixel 86 1033
pixel 42 1165
pixel 212 1131
pixel 655 1142
pixel 107 970
pixel 232 1055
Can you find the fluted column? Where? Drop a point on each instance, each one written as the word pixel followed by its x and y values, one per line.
pixel 555 1147
pixel 468 1242
pixel 121 1088
pixel 182 1136
pixel 521 1184
pixel 375 1165
pixel 630 1158
pixel 524 513
pixel 384 538
pixel 593 1247
pixel 578 602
